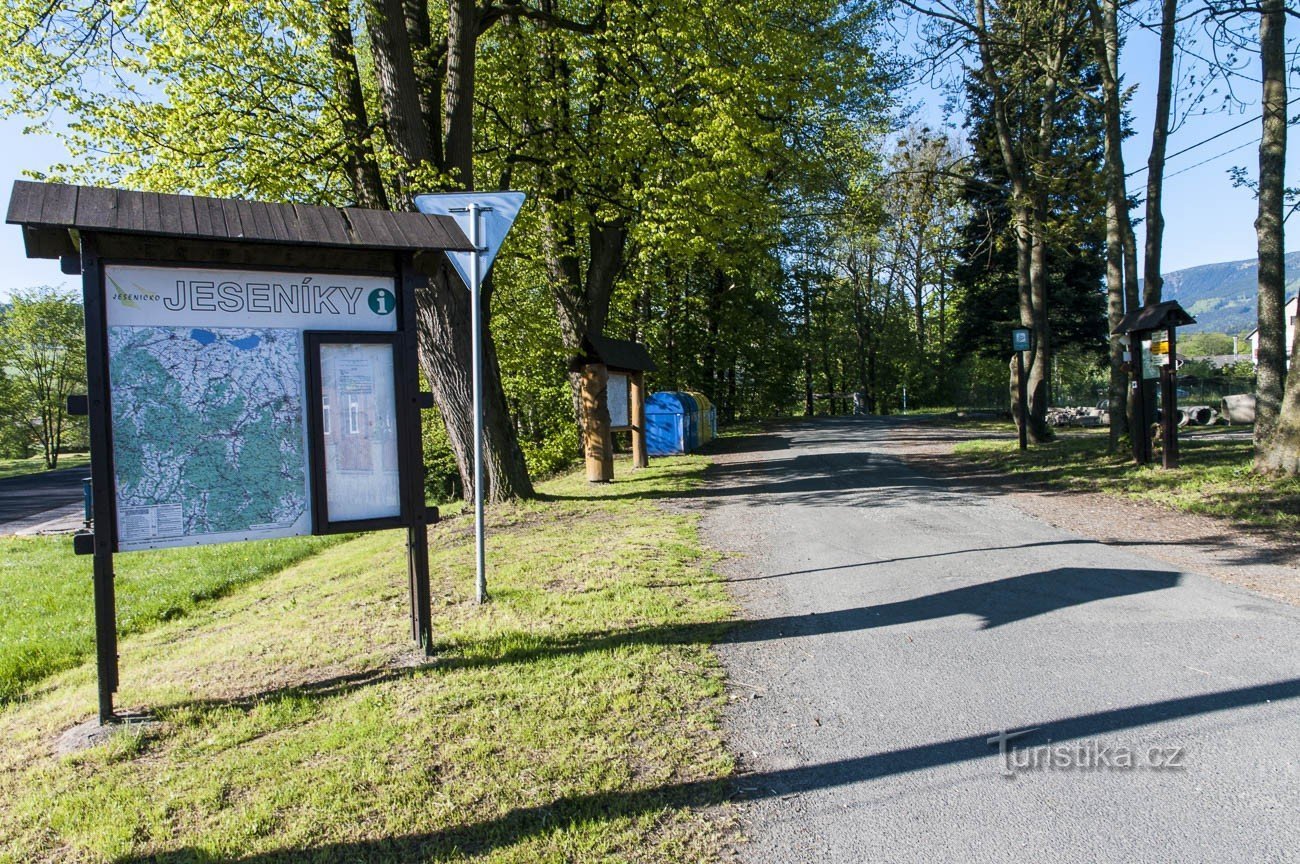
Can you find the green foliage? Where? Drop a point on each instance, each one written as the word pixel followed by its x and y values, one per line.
pixel 1204 344
pixel 1074 224
pixel 43 354
pixel 15 432
pixel 690 132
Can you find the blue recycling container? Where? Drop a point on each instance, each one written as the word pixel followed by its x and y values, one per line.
pixel 672 423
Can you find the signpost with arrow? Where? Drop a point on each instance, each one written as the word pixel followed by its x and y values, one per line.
pixel 486 218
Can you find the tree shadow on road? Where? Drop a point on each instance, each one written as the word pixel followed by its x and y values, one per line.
pixel 995 604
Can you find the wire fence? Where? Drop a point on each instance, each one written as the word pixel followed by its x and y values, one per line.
pixel 1094 394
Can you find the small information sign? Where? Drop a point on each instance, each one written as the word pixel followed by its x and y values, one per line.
pixel 1151 362
pixel 617 397
pixel 1022 339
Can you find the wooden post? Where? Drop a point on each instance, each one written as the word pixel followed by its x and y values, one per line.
pixel 597 439
pixel 103 499
pixel 1169 378
pixel 636 413
pixel 417 532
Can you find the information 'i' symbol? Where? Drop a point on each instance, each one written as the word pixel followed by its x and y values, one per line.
pixel 382 301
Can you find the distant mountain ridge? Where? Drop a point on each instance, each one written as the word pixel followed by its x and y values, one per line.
pixel 1221 297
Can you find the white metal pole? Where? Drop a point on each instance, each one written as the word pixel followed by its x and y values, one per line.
pixel 476 323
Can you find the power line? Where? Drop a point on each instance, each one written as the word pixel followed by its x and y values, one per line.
pixel 1208 140
pixel 1212 158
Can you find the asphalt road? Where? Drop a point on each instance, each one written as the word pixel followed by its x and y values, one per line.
pixel 898 625
pixel 30 494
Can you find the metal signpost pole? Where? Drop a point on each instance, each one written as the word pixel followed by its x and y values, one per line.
pixel 472 267
pixel 475 290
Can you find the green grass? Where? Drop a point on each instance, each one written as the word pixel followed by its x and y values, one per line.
pixel 1215 477
pixel 45 592
pixel 573 718
pixel 36 464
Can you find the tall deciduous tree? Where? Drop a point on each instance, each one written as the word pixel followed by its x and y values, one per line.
pixel 1277 419
pixel 1020 55
pixel 220 99
pixel 1068 194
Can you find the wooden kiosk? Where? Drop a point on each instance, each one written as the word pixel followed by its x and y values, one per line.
pixel 252 372
pixel 1140 328
pixel 612 374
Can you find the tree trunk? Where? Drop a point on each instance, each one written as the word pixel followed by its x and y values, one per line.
pixel 458 93
pixel 404 71
pixel 1106 17
pixel 1272 449
pixel 399 90
pixel 1023 205
pixel 713 317
pixel 808 407
pixel 1039 384
pixel 1283 450
pixel 1153 282
pixel 447 360
pixel 362 168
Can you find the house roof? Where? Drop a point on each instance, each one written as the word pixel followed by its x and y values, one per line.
pixel 1289 304
pixel 1156 316
pixel 48 211
pixel 620 354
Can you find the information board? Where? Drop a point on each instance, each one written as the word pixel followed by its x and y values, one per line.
pixel 208 396
pixel 616 394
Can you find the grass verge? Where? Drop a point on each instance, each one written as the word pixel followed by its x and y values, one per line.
pixel 573 718
pixel 45 592
pixel 36 464
pixel 1215 478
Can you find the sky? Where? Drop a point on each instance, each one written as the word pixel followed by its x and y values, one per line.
pixel 21 152
pixel 1207 220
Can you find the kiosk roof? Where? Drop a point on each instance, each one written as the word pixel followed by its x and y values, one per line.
pixel 48 211
pixel 619 354
pixel 1157 316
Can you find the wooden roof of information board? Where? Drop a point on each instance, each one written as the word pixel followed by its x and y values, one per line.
pixel 619 354
pixel 1157 316
pixel 47 211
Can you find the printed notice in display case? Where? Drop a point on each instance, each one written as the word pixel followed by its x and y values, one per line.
pixel 617 396
pixel 359 426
